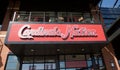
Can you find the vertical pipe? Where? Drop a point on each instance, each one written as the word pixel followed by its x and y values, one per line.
pixel 44 17
pixel 14 16
pixel 29 17
pixel 71 16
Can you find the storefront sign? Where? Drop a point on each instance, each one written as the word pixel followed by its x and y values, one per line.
pixel 55 32
pixel 26 32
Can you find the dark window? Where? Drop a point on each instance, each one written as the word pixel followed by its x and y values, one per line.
pixel 51 17
pixel 63 62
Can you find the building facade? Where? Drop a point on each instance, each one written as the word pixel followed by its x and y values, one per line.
pixel 52 35
pixel 111 18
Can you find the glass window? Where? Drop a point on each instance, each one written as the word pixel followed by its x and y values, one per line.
pixel 22 16
pixel 39 66
pixel 62 69
pixel 51 17
pixel 102 68
pixel 12 59
pixel 49 59
pixel 64 17
pixel 110 16
pixel 28 60
pixel 60 17
pixel 38 59
pixel 0 27
pixel 77 17
pixel 119 62
pixel 88 57
pixel 108 20
pixel 40 63
pixel 87 18
pixel 96 56
pixel 75 57
pixel 50 66
pixel 100 63
pixel 89 63
pixel 68 62
pixel 12 63
pixel 76 64
pixel 62 64
pixel 71 69
pixel 26 66
pixel 37 16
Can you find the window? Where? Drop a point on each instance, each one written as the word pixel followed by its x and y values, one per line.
pixel 78 17
pixel 75 57
pixel 0 27
pixel 39 63
pixel 65 62
pixel 37 16
pixel 12 63
pixel 64 17
pixel 51 17
pixel 87 18
pixel 108 22
pixel 22 16
pixel 72 62
pixel 119 62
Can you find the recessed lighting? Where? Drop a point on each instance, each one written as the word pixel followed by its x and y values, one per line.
pixel 32 50
pixel 83 49
pixel 58 50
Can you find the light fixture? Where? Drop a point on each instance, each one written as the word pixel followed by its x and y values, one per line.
pixel 58 50
pixel 112 63
pixel 82 49
pixel 32 50
pixel 18 16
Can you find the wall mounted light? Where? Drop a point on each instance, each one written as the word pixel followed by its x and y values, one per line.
pixel 82 49
pixel 112 64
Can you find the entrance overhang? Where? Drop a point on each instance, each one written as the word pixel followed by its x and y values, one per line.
pixel 44 39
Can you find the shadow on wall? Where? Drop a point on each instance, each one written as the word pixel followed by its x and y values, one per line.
pixel 1 46
pixel 1 62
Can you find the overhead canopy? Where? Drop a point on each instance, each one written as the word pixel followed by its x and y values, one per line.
pixel 48 38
